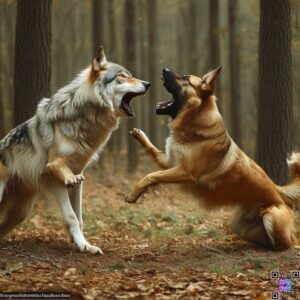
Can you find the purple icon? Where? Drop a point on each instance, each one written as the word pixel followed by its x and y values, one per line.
pixel 285 285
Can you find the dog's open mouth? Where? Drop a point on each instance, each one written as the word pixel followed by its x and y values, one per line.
pixel 125 103
pixel 166 107
pixel 163 108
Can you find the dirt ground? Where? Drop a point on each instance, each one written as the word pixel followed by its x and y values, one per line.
pixel 163 247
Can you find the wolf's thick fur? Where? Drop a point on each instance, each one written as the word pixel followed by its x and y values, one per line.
pixel 201 155
pixel 73 125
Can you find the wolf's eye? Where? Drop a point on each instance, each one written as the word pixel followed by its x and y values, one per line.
pixel 123 75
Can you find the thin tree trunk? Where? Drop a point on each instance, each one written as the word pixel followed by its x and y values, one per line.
pixel 234 70
pixel 274 134
pixel 115 143
pixel 98 24
pixel 193 56
pixel 32 56
pixel 2 121
pixel 130 55
pixel 98 7
pixel 152 61
pixel 214 41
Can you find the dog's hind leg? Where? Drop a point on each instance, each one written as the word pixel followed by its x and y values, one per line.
pixel 249 226
pixel 75 195
pixel 279 224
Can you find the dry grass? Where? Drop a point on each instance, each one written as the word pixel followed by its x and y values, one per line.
pixel 164 247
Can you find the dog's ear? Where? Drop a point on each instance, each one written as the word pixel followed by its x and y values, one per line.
pixel 209 80
pixel 99 61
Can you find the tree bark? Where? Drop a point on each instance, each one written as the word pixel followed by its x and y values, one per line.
pixel 274 134
pixel 97 26
pixel 2 121
pixel 234 70
pixel 214 41
pixel 130 55
pixel 152 61
pixel 193 52
pixel 32 56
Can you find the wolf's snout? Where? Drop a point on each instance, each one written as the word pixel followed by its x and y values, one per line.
pixel 146 84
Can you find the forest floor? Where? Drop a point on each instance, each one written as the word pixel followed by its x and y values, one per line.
pixel 163 247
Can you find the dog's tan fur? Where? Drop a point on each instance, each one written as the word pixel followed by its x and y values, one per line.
pixel 201 155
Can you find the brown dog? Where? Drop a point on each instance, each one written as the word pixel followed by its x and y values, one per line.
pixel 201 154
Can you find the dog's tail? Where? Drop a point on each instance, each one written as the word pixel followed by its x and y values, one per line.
pixel 291 192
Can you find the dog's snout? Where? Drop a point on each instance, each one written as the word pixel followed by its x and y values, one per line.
pixel 166 70
pixel 147 84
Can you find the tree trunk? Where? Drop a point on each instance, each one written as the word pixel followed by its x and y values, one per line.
pixel 98 7
pixel 214 41
pixel 32 56
pixel 98 32
pixel 2 120
pixel 152 61
pixel 274 134
pixel 130 55
pixel 234 70
pixel 193 52
pixel 115 143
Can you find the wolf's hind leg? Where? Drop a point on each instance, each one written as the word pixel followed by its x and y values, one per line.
pixel 4 176
pixel 16 205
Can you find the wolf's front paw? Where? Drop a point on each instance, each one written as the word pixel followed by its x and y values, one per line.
pixel 140 136
pixel 74 180
pixel 88 248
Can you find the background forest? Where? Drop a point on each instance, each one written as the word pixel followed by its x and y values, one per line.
pixel 189 36
pixel 165 246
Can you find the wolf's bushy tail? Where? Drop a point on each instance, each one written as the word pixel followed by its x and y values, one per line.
pixel 291 192
pixel 2 188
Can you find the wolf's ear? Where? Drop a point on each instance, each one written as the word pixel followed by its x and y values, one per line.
pixel 99 61
pixel 209 79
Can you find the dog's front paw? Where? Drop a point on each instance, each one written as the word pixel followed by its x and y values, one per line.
pixel 140 136
pixel 74 180
pixel 131 198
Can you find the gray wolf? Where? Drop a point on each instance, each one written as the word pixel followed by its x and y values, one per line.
pixel 49 152
pixel 201 156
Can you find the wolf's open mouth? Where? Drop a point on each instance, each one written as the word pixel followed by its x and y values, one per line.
pixel 125 103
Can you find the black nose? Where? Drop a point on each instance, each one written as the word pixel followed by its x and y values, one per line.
pixel 146 84
pixel 165 70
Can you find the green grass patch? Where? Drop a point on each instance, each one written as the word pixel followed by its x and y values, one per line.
pixel 225 269
pixel 212 233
